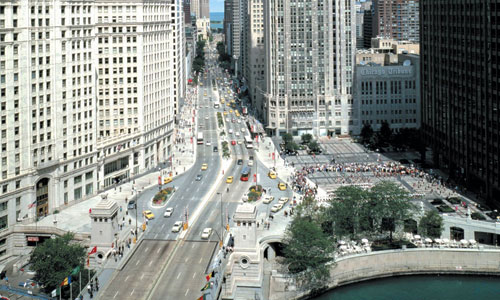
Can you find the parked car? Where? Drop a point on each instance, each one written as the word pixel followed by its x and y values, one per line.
pixel 283 200
pixel 268 199
pixel 131 204
pixel 276 207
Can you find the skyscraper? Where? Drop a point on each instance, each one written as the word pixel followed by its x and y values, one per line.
pixel 396 19
pixel 87 94
pixel 460 83
pixel 309 52
pixel 200 8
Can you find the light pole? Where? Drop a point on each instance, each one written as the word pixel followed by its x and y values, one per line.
pixel 136 208
pixel 221 221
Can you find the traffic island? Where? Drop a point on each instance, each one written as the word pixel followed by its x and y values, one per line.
pixel 255 192
pixel 162 196
pixel 226 153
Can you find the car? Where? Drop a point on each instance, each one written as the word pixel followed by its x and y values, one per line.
pixel 230 111
pixel 276 207
pixel 250 163
pixel 200 126
pixel 283 200
pixel 272 174
pixel 229 179
pixel 282 186
pixel 204 167
pixel 168 212
pixel 167 180
pixel 268 199
pixel 227 120
pixel 206 118
pixel 237 134
pixel 239 121
pixel 201 83
pixel 250 157
pixel 208 143
pixel 177 226
pixel 230 131
pixel 199 177
pixel 233 142
pixel 216 149
pixel 225 113
pixel 131 204
pixel 240 142
pixel 206 233
pixel 148 214
pixel 240 161
pixel 205 94
pixel 243 130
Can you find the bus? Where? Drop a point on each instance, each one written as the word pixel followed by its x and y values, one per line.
pixel 200 138
pixel 216 104
pixel 245 173
pixel 248 142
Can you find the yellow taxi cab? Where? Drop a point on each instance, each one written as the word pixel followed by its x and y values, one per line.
pixel 229 91
pixel 236 113
pixel 225 113
pixel 228 104
pixel 230 111
pixel 205 94
pixel 148 214
pixel 272 174
pixel 229 179
pixel 201 83
pixel 167 180
pixel 222 100
pixel 281 186
pixel 204 167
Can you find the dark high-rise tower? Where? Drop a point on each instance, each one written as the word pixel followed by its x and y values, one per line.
pixel 460 57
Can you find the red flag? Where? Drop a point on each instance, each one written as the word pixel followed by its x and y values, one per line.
pixel 208 276
pixel 88 262
pixel 94 250
pixel 254 177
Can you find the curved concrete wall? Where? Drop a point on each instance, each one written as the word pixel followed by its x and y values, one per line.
pixel 402 262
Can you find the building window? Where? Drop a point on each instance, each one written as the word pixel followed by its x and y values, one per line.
pixel 4 222
pixel 78 193
pixel 77 179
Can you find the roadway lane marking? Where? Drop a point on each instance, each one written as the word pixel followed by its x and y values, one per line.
pixel 163 224
pixel 150 263
pixel 132 292
pixel 201 258
pixel 193 246
pixel 168 235
pixel 156 235
pixel 147 249
pixel 116 294
pixel 127 278
pixel 187 291
pixel 186 260
pixel 137 262
pixel 142 276
pixel 194 275
pixel 158 250
pixel 178 275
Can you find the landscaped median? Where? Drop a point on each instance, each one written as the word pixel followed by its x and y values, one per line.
pixel 220 120
pixel 226 153
pixel 255 192
pixel 162 196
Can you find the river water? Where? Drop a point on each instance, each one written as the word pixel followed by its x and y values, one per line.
pixel 419 288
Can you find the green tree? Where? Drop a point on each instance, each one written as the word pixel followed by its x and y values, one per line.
pixel 390 206
pixel 307 250
pixel 431 224
pixel 287 138
pixel 306 138
pixel 347 212
pixel 314 146
pixel 55 259
pixel 385 132
pixel 366 133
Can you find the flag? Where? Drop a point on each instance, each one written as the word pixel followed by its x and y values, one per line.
pixel 94 250
pixel 202 297
pixel 88 262
pixel 56 292
pixel 66 281
pixel 207 286
pixel 75 270
pixel 32 204
pixel 208 276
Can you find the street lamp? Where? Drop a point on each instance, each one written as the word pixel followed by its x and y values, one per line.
pixel 221 220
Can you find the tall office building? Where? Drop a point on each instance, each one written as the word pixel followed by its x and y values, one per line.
pixel 234 21
pixel 362 8
pixel 87 92
pixel 200 8
pixel 396 19
pixel 254 55
pixel 309 52
pixel 460 83
pixel 367 27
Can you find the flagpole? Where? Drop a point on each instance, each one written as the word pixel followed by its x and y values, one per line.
pixel 70 291
pixel 80 281
pixel 60 292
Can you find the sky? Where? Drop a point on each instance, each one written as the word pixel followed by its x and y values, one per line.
pixel 216 5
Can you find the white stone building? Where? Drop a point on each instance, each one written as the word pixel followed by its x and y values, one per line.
pixel 253 71
pixel 87 93
pixel 309 51
pixel 388 92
